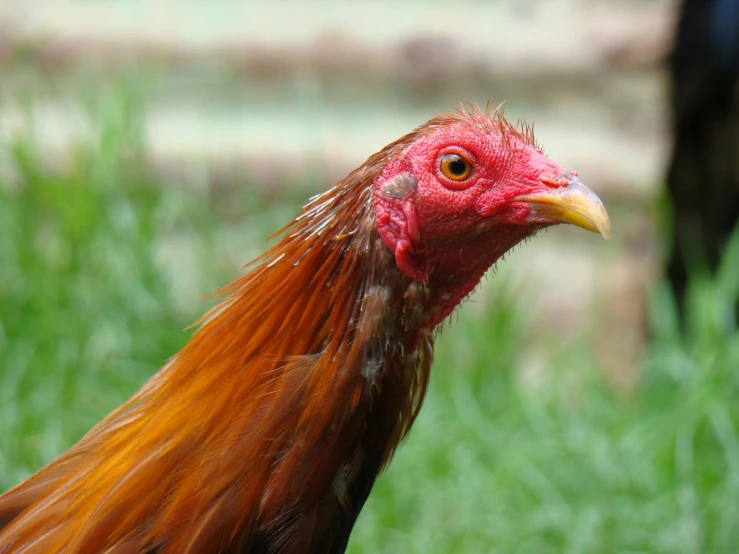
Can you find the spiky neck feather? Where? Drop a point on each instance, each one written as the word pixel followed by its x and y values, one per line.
pixel 283 407
pixel 319 348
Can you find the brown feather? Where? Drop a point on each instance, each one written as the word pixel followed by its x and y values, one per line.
pixel 250 438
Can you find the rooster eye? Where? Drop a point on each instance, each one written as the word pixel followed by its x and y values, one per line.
pixel 454 167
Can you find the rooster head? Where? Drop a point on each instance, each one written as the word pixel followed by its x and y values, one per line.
pixel 466 190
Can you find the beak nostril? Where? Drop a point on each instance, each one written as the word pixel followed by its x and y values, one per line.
pixel 555 179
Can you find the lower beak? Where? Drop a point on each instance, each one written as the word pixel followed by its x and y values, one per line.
pixel 575 204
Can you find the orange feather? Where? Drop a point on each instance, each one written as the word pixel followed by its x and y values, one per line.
pixel 266 379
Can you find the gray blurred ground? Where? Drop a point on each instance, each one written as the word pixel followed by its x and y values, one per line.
pixel 275 90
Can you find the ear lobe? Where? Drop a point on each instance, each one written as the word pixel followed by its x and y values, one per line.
pixel 397 224
pixel 400 187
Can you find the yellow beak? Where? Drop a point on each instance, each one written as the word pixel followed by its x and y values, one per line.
pixel 575 204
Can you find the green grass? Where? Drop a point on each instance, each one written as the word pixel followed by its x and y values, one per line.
pixel 102 267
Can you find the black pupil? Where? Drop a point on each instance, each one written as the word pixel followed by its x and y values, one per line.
pixel 457 166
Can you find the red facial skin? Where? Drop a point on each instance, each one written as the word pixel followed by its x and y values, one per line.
pixel 448 233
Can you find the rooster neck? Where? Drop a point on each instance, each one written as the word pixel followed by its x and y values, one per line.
pixel 267 431
pixel 303 382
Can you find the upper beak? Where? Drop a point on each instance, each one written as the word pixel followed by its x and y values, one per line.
pixel 573 203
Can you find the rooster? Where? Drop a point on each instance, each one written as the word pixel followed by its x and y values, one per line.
pixel 266 432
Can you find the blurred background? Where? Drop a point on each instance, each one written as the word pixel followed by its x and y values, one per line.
pixel 149 149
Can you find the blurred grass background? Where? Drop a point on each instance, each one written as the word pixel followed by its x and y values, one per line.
pixel 524 445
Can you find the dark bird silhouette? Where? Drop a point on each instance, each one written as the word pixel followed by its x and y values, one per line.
pixel 703 175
